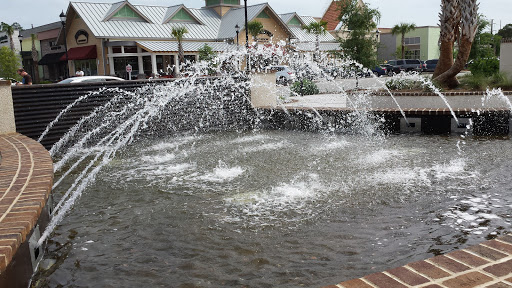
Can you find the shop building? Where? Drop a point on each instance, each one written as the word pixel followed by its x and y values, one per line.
pixel 103 38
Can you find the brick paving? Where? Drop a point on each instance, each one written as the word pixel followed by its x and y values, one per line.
pixel 488 265
pixel 26 179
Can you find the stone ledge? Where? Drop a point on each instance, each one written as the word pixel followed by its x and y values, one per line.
pixel 488 264
pixel 23 192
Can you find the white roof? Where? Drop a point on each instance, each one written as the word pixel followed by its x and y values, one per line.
pixel 94 13
pixel 323 46
pixel 167 46
pixel 211 26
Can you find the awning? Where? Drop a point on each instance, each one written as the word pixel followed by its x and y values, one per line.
pixel 52 58
pixel 81 53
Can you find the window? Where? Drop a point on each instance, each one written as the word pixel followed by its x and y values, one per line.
pixel 126 12
pixel 212 2
pixel 412 40
pixel 88 66
pixel 116 49
pixel 294 22
pixel 263 15
pixel 400 62
pixel 130 49
pixel 413 54
pixel 182 15
pixel 232 2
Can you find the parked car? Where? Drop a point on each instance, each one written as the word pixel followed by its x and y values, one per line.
pixel 284 74
pixel 406 65
pixel 90 79
pixel 430 65
pixel 380 70
pixel 13 81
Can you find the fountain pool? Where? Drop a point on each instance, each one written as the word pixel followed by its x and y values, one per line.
pixel 277 209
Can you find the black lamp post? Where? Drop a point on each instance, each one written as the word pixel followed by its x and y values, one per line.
pixel 246 28
pixel 237 32
pixel 62 17
pixel 20 37
pixel 246 38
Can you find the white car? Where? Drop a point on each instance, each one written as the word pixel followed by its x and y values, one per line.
pixel 284 74
pixel 13 81
pixel 90 79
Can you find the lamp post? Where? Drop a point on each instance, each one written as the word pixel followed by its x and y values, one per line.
pixel 62 17
pixel 246 38
pixel 20 37
pixel 237 32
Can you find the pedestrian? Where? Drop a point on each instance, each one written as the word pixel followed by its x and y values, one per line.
pixel 26 80
pixel 79 72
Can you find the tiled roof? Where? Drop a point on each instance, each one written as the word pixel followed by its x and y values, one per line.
pixel 332 14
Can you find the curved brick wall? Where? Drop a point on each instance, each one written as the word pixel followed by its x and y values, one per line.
pixel 26 179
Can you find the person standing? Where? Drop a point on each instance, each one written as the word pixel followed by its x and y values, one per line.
pixel 79 72
pixel 26 78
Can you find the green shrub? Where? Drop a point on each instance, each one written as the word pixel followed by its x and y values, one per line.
pixel 485 66
pixel 304 87
pixel 475 81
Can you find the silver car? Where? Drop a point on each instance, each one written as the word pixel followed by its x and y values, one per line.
pixel 284 74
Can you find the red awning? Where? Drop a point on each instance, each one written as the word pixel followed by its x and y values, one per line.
pixel 81 53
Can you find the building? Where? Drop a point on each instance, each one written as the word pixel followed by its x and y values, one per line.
pixel 5 41
pixel 421 43
pixel 49 66
pixel 103 38
pixel 331 16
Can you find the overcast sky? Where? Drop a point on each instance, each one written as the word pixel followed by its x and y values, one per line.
pixel 419 12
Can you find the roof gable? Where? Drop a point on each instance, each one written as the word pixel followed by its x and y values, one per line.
pixel 292 19
pixel 236 16
pixel 180 13
pixel 125 11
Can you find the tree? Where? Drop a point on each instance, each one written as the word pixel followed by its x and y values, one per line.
pixel 361 21
pixel 478 48
pixel 402 29
pixel 9 30
pixel 35 58
pixel 506 32
pixel 459 21
pixel 178 33
pixel 255 28
pixel 206 53
pixel 316 28
pixel 9 63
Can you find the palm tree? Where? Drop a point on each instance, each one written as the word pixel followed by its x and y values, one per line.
pixel 255 28
pixel 35 58
pixel 449 21
pixel 467 27
pixel 316 28
pixel 9 30
pixel 402 29
pixel 178 34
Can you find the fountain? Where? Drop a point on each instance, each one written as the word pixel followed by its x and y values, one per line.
pixel 163 187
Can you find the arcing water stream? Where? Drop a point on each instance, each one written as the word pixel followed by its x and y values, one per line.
pixel 169 189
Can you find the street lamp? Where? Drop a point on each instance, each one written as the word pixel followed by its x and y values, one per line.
pixel 237 32
pixel 20 37
pixel 246 38
pixel 62 17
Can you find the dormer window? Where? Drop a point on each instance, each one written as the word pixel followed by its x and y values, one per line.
pixel 294 22
pixel 180 14
pixel 124 11
pixel 263 15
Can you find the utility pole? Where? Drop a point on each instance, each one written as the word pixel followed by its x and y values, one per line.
pixel 492 26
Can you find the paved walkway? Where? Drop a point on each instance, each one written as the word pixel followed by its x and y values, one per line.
pixel 486 265
pixel 26 178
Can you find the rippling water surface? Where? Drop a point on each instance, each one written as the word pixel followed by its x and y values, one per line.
pixel 278 209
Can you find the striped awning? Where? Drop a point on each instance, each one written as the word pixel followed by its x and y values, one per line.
pixel 172 46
